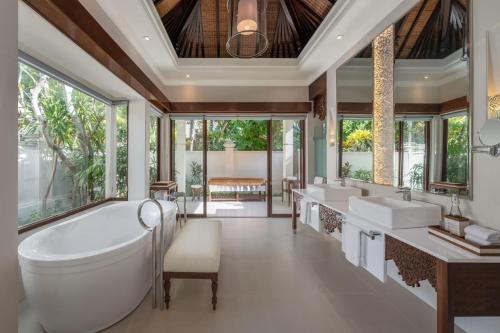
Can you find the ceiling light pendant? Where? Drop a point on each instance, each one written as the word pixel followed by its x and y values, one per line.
pixel 247 28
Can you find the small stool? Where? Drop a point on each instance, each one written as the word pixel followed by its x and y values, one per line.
pixel 196 192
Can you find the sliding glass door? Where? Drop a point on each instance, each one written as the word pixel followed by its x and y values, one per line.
pixel 286 167
pixel 237 166
pixel 234 167
pixel 188 170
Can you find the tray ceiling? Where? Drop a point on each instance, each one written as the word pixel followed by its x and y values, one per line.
pixel 198 28
pixel 433 29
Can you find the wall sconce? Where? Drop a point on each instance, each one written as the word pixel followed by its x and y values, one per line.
pixel 494 107
pixel 332 138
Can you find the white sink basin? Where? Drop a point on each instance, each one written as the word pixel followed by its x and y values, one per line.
pixel 395 213
pixel 332 192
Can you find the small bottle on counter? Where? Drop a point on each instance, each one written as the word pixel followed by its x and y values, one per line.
pixel 454 222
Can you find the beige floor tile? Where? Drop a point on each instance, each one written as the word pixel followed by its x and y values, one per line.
pixel 274 281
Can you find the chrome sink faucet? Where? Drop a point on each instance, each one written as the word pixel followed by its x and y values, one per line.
pixel 406 193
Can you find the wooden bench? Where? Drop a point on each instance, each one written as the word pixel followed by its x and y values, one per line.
pixel 194 254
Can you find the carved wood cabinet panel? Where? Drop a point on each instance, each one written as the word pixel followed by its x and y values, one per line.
pixel 414 265
pixel 330 219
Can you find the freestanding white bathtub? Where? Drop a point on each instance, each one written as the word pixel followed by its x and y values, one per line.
pixel 88 273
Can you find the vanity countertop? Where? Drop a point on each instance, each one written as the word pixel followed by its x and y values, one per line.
pixel 416 237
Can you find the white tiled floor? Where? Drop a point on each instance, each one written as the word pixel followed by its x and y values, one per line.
pixel 274 281
pixel 236 208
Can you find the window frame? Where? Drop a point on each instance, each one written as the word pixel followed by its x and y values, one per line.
pixel 51 72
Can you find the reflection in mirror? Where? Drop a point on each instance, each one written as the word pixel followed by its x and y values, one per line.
pixel 493 54
pixel 431 85
pixel 354 109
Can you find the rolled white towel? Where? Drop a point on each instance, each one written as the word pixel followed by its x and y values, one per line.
pixel 480 241
pixel 483 233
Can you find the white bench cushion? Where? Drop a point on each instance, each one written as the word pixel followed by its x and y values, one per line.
pixel 196 248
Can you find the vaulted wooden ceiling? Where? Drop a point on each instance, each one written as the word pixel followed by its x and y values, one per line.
pixel 198 28
pixel 433 29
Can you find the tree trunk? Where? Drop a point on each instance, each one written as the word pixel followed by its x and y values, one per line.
pixel 35 95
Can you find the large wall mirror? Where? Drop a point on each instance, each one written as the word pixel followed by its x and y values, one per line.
pixel 431 103
pixel 493 61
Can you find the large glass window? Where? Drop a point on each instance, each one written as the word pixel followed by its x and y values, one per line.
pixel 456 157
pixel 355 148
pixel 61 149
pixel 411 141
pixel 153 148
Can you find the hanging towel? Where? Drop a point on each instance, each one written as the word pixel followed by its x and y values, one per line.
pixel 304 211
pixel 483 233
pixel 480 241
pixel 313 219
pixel 351 243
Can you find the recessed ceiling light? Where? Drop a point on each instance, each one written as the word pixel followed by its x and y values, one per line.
pixel 188 76
pixel 340 36
pixel 147 38
pixel 426 77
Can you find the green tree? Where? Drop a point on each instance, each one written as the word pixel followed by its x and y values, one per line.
pixel 71 124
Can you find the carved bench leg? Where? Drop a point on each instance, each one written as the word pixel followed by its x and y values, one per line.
pixel 214 290
pixel 166 285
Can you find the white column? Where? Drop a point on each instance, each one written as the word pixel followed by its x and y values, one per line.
pixel 331 124
pixel 180 154
pixel 8 165
pixel 165 148
pixel 138 150
pixel 110 151
pixel 229 148
pixel 287 148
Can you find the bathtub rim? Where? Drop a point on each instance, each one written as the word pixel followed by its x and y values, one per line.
pixel 27 257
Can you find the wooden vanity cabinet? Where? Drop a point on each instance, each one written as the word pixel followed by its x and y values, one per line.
pixel 463 289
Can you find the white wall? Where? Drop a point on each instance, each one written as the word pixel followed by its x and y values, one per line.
pixel 236 94
pixel 8 166
pixel 485 206
pixel 138 151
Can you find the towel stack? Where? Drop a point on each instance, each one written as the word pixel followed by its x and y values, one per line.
pixel 481 235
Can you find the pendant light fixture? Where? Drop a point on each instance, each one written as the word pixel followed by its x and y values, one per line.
pixel 247 27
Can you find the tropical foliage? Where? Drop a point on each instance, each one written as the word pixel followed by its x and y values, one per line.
pixel 71 127
pixel 357 135
pixel 458 155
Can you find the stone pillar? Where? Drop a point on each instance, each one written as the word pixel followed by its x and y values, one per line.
pixel 138 150
pixel 383 107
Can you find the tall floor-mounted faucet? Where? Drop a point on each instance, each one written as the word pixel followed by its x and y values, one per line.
pixel 155 266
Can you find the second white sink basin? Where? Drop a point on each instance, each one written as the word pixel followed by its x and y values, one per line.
pixel 332 192
pixel 395 213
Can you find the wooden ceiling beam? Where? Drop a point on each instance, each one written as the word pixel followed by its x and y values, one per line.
pixel 165 6
pixel 242 107
pixel 72 19
pixel 292 22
